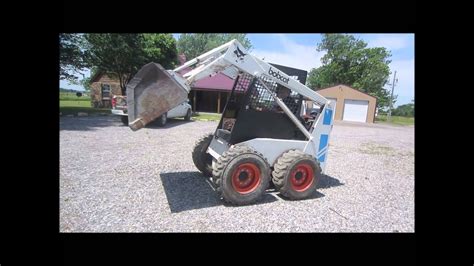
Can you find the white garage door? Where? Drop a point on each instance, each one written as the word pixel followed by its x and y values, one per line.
pixel 355 110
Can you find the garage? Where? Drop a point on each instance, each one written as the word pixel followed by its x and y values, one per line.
pixel 351 104
pixel 355 110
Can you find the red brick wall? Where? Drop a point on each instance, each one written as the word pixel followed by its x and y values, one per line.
pixel 96 91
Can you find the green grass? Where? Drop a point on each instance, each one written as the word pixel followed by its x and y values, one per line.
pixel 73 107
pixel 397 120
pixel 75 104
pixel 71 96
pixel 206 117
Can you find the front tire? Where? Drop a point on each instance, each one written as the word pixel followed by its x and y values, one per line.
pixel 241 175
pixel 296 174
pixel 203 160
pixel 162 120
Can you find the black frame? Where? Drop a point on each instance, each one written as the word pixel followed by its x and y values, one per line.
pixel 102 89
pixel 251 123
pixel 301 74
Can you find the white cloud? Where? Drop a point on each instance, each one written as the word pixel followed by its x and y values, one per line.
pixel 292 55
pixel 306 57
pixel 405 88
pixel 389 41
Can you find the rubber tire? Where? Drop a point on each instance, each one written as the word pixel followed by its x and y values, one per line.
pixel 203 160
pixel 282 170
pixel 124 120
pixel 224 167
pixel 161 121
pixel 188 115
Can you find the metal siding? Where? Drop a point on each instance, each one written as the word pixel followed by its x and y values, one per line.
pixel 342 92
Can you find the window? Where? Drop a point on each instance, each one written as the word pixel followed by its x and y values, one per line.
pixel 105 91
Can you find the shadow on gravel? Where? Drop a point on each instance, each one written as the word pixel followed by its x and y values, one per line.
pixel 191 190
pixel 328 181
pixel 325 182
pixel 88 123
pixel 315 195
pixel 169 124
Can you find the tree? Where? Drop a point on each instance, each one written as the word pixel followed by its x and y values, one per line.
pixel 194 44
pixel 405 110
pixel 122 55
pixel 71 56
pixel 86 82
pixel 160 48
pixel 349 61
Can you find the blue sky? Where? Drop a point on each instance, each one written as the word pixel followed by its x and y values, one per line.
pixel 299 51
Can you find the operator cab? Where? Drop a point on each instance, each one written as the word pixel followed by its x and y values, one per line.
pixel 251 112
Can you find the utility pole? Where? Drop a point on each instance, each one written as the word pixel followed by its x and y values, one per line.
pixel 391 98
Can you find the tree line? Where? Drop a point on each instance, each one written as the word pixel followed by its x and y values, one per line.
pixel 347 60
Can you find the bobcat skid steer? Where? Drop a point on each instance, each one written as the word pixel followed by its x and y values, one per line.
pixel 261 138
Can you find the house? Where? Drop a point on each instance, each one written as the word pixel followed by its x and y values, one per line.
pixel 207 95
pixel 103 86
pixel 351 104
pixel 210 94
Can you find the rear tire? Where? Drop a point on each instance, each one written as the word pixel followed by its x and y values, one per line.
pixel 161 121
pixel 241 175
pixel 203 160
pixel 296 174
pixel 124 120
pixel 188 115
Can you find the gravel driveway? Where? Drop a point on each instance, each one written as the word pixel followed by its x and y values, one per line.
pixel 115 180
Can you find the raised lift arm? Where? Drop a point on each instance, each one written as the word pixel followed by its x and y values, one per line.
pixel 232 57
pixel 154 91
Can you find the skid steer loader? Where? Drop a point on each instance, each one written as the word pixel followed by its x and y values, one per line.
pixel 261 137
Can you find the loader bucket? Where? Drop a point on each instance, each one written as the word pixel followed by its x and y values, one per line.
pixel 151 93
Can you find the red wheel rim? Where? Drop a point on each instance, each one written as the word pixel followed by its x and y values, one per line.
pixel 246 178
pixel 302 177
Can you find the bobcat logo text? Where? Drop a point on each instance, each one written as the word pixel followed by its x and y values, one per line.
pixel 277 75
